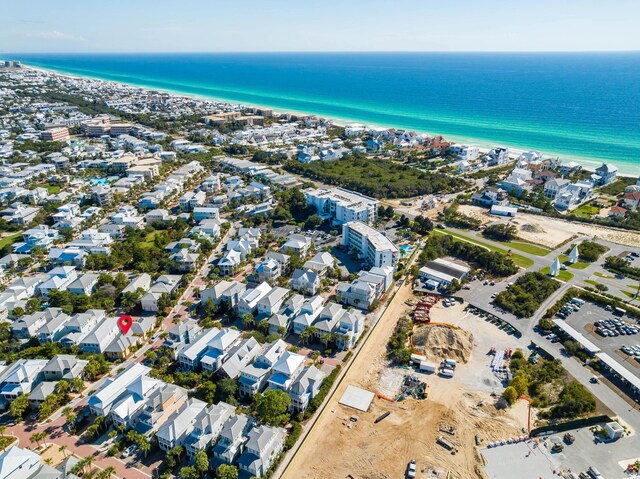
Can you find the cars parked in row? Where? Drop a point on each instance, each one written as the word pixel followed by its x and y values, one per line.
pixel 615 327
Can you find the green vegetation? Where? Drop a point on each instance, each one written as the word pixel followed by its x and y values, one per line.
pixel 529 248
pixel 292 205
pixel 516 259
pixel 588 211
pixel 455 219
pixel 617 187
pixel 41 146
pixel 525 296
pixel 143 249
pixel 272 406
pixel 589 251
pixel 620 266
pixel 397 347
pixel 9 240
pixel 376 177
pixel 539 380
pixel 501 232
pixel 563 275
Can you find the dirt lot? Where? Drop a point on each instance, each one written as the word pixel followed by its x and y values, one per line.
pixel 553 232
pixel 363 450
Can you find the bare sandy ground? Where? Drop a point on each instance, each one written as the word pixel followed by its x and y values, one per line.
pixel 553 232
pixel 340 448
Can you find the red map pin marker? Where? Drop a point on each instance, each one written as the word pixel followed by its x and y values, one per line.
pixel 125 323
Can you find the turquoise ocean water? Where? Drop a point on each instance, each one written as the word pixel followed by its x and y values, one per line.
pixel 583 107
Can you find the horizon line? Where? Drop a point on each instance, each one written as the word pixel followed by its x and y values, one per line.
pixel 235 52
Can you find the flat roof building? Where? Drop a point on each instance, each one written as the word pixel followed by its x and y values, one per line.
pixel 342 206
pixel 443 271
pixel 371 245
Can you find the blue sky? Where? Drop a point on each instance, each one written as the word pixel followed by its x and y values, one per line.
pixel 323 25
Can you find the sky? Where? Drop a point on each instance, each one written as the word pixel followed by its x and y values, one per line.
pixel 323 25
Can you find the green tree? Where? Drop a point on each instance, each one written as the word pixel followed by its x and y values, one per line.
pixel 173 456
pixel 189 472
pixel 510 394
pixel 201 462
pixel 272 406
pixel 207 391
pixel 520 384
pixel 248 320
pixel 19 407
pixel 226 471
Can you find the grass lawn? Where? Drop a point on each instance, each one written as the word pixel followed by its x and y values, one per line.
pixel 527 248
pixel 564 259
pixel 9 239
pixel 630 294
pixel 563 275
pixel 603 275
pixel 52 189
pixel 148 240
pixel 519 260
pixel 586 211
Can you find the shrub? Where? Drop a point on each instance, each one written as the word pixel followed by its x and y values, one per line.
pixel 525 296
pixel 510 395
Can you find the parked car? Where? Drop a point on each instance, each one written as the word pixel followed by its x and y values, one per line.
pixel 130 450
pixel 411 468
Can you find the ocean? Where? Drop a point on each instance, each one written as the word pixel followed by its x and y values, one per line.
pixel 582 107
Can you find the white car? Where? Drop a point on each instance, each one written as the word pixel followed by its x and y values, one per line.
pixel 411 470
pixel 130 450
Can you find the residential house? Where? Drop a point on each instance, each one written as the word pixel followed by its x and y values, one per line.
pixel 228 291
pixel 305 281
pixel 180 424
pixel 263 446
pixel 607 173
pixel 248 302
pixel 321 263
pixel 102 401
pixel 64 366
pixel 239 356
pixel 297 244
pixel 306 387
pixel 84 284
pixel 207 427
pixel 218 349
pixel 164 285
pixel 191 355
pixel 309 312
pixel 232 439
pixel 271 302
pixel 253 377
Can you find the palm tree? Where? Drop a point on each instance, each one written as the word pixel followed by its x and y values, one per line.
pixel 48 461
pixel 108 472
pixel 63 450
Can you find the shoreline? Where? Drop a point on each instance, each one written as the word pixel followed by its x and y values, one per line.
pixel 484 146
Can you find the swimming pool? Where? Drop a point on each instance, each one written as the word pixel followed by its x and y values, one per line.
pixel 405 250
pixel 103 181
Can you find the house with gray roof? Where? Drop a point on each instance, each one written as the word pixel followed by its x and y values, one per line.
pixel 64 366
pixel 305 387
pixel 180 424
pixel 263 445
pixel 305 281
pixel 84 284
pixel 240 355
pixel 232 439
pixel 207 427
pixel 253 377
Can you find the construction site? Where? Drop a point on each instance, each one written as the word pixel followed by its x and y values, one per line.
pixel 442 422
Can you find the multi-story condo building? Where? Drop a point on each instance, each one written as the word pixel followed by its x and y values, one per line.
pixel 371 245
pixel 343 205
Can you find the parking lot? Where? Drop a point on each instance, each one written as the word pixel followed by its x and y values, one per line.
pixel 584 321
pixel 533 461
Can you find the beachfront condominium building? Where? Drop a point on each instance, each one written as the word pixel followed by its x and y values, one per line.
pixel 369 244
pixel 342 206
